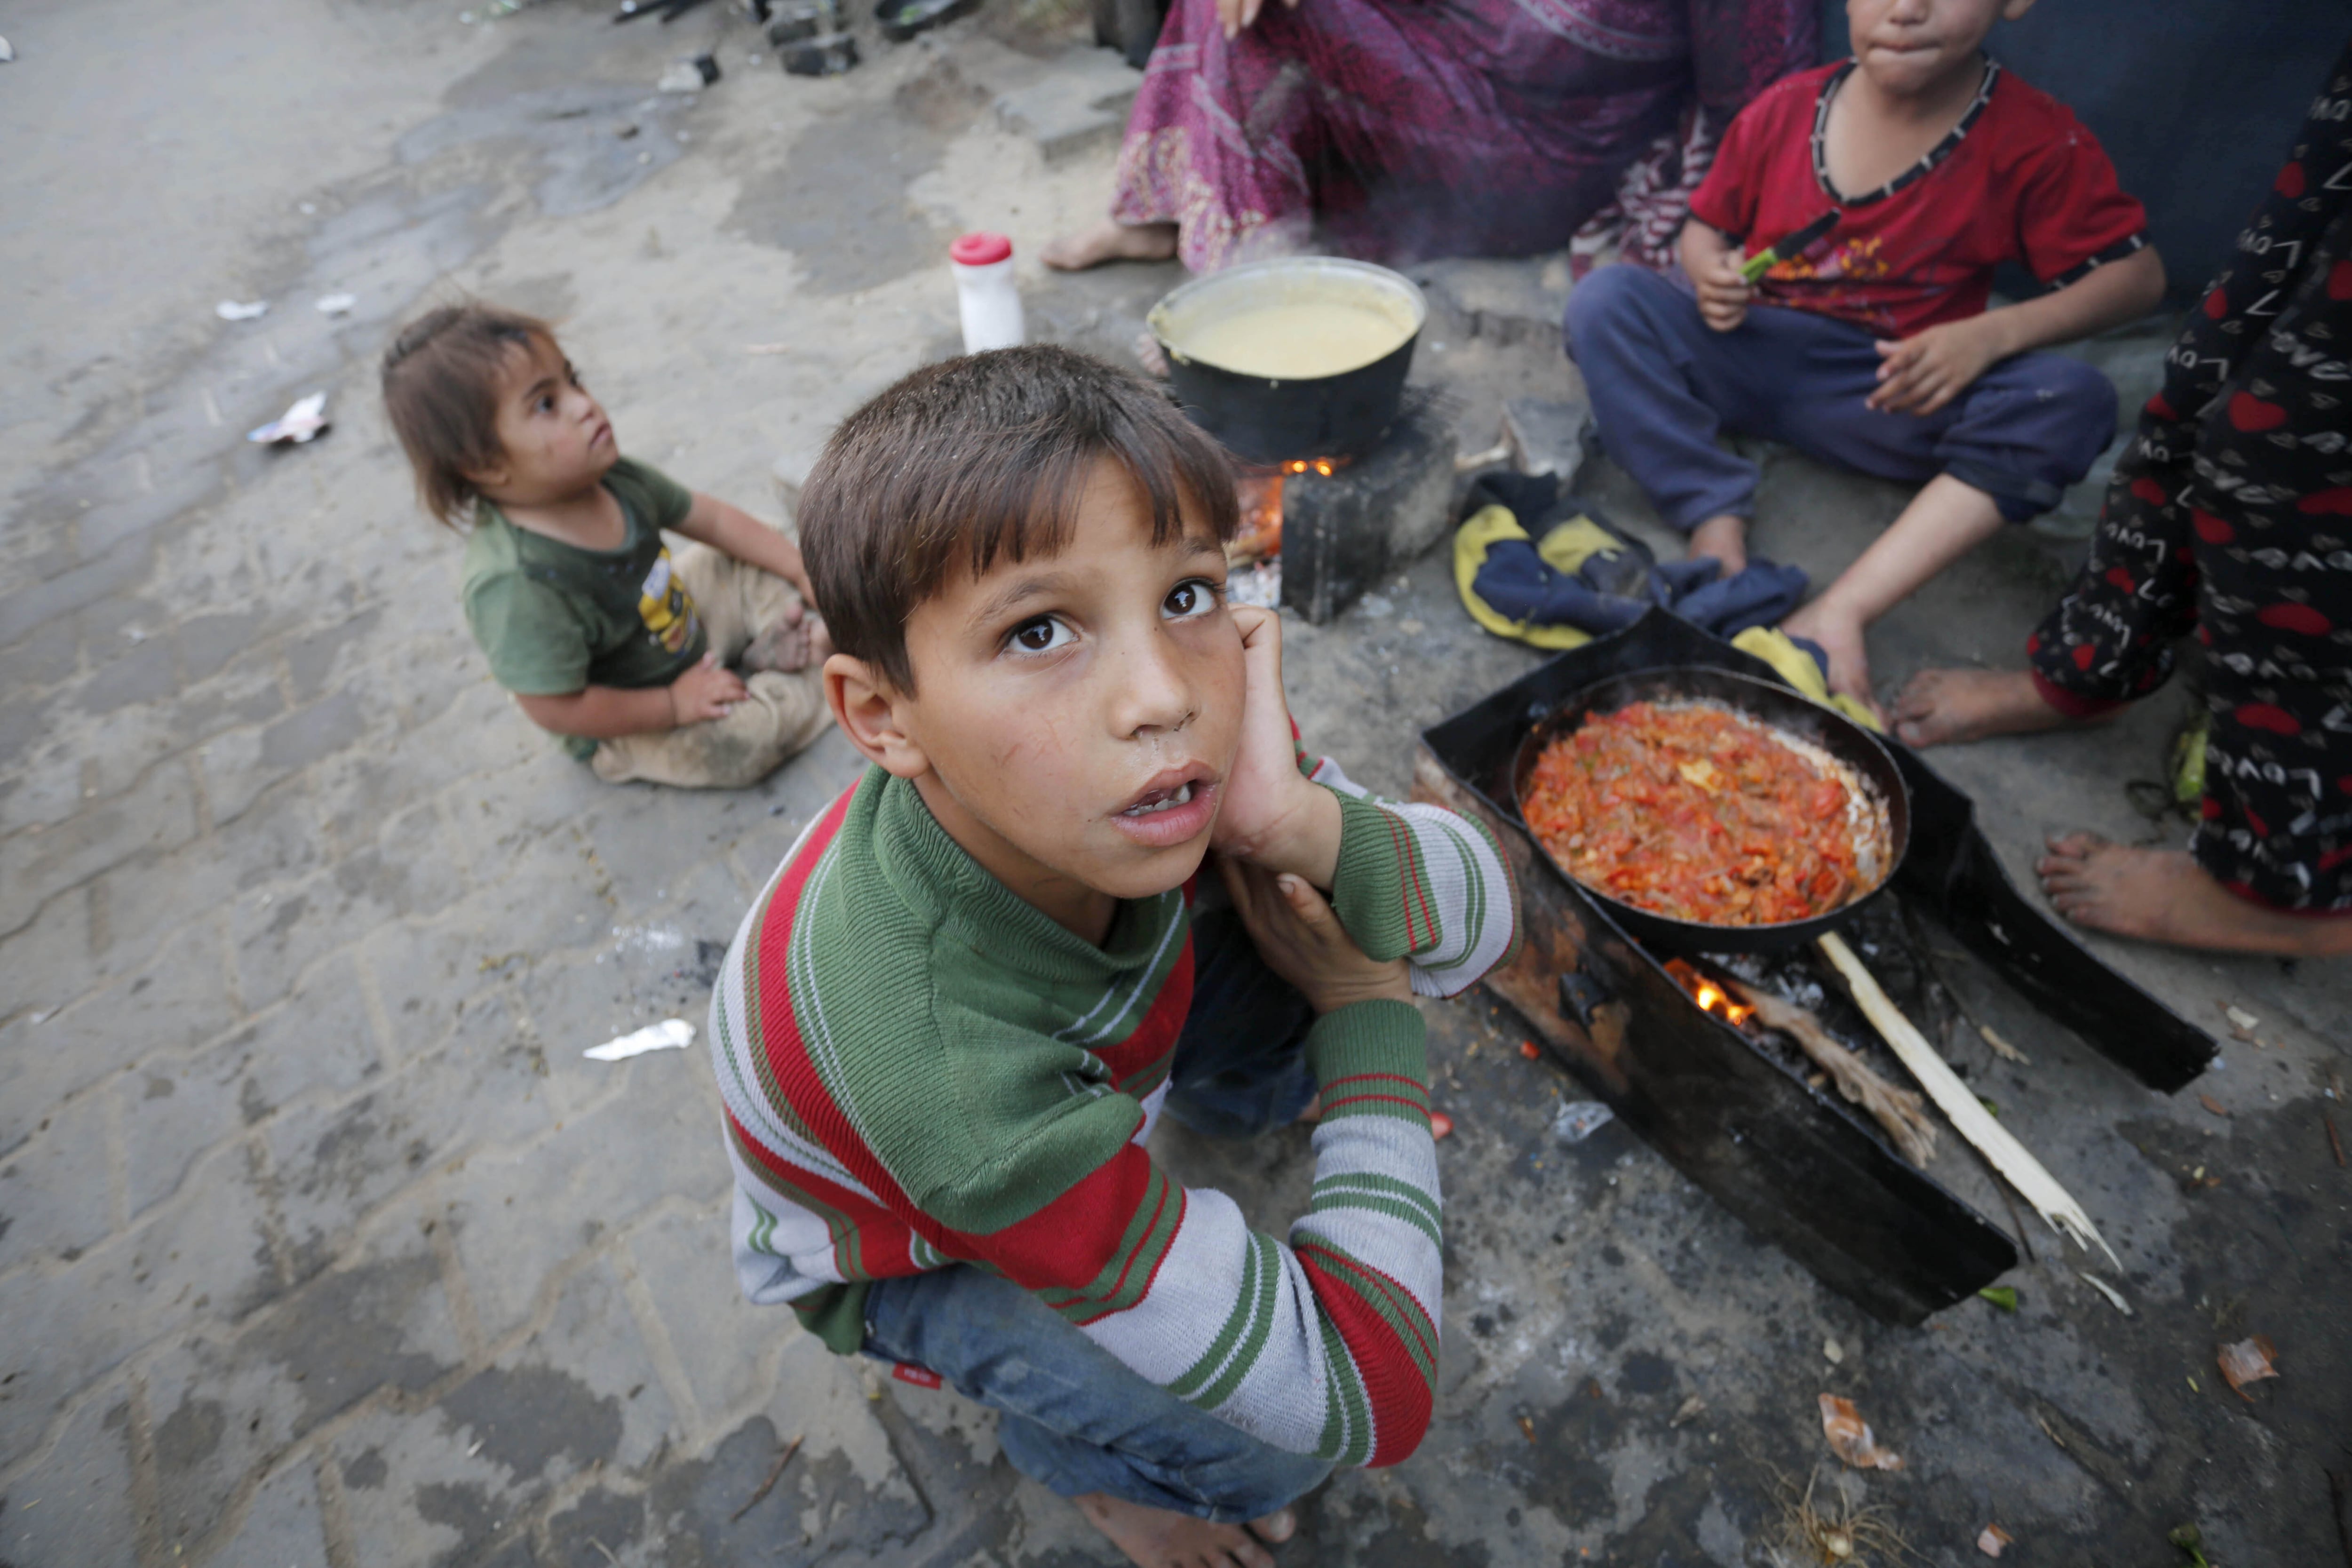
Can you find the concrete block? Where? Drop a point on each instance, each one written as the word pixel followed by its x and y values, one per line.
pixel 156 815
pixel 338 1162
pixel 239 765
pixel 1082 103
pixel 53 1190
pixel 75 1505
pixel 175 1106
pixel 844 1496
pixel 1548 436
pixel 68 1328
pixel 414 1497
pixel 727 1347
pixel 278 934
pixel 580 1392
pixel 520 1216
pixel 180 999
pixel 281 1524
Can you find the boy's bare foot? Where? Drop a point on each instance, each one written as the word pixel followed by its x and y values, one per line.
pixel 1111 241
pixel 1840 636
pixel 1154 1538
pixel 2163 895
pixel 1725 539
pixel 1943 706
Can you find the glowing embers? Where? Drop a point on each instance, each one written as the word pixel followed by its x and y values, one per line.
pixel 1709 994
pixel 1259 537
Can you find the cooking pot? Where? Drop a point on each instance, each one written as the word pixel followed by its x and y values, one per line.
pixel 1863 761
pixel 1270 420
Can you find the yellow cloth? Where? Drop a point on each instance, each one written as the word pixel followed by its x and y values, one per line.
pixel 1796 667
pixel 1565 550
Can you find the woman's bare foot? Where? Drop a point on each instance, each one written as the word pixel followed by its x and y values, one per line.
pixel 1154 1538
pixel 1942 707
pixel 1725 539
pixel 2162 895
pixel 1111 241
pixel 1840 636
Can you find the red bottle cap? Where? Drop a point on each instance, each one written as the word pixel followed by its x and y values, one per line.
pixel 980 249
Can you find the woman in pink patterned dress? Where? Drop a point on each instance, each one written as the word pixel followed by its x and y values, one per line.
pixel 1398 129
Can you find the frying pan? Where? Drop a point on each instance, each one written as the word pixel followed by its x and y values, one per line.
pixel 1861 754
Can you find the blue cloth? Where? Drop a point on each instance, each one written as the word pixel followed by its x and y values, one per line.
pixel 1071 1415
pixel 1609 590
pixel 1663 382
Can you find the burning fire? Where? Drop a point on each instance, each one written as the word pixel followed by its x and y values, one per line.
pixel 1260 493
pixel 1710 997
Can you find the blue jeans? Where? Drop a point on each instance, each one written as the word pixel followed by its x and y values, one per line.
pixel 1071 1415
pixel 1662 383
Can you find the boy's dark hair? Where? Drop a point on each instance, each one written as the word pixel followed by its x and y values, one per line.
pixel 441 390
pixel 979 457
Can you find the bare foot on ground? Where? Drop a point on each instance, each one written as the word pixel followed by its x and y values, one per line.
pixel 1944 707
pixel 2163 895
pixel 1154 1538
pixel 1725 539
pixel 1840 636
pixel 1111 241
pixel 787 648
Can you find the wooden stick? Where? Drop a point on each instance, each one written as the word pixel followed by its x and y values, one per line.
pixel 1898 1111
pixel 770 1484
pixel 2011 1158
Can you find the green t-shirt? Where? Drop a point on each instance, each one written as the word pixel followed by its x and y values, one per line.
pixel 555 619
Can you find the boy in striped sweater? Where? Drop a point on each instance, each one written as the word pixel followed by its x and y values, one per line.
pixel 947 1026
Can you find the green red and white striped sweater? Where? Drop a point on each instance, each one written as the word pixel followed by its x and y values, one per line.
pixel 920 1069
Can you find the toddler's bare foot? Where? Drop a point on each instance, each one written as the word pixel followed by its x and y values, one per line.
pixel 1111 241
pixel 2163 895
pixel 820 641
pixel 1840 636
pixel 1725 539
pixel 1942 707
pixel 782 648
pixel 1154 1538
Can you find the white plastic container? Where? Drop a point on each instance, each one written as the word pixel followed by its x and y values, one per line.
pixel 985 294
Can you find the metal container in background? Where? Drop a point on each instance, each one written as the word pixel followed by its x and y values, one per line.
pixel 1268 420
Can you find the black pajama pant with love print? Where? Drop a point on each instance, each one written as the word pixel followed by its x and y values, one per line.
pixel 2230 514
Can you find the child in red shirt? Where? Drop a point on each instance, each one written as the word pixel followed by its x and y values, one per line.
pixel 1872 346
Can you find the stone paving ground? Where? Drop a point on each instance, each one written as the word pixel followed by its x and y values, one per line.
pixel 320 1243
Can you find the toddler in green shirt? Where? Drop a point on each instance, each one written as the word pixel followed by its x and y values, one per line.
pixel 627 653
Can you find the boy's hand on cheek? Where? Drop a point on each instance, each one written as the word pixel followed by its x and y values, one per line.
pixel 1920 374
pixel 1300 938
pixel 1271 816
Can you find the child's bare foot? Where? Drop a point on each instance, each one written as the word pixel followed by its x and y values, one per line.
pixel 782 648
pixel 1111 241
pixel 1725 539
pixel 1154 1538
pixel 1942 707
pixel 2163 895
pixel 1840 636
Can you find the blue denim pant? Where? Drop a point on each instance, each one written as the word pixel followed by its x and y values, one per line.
pixel 1071 1415
pixel 1662 383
